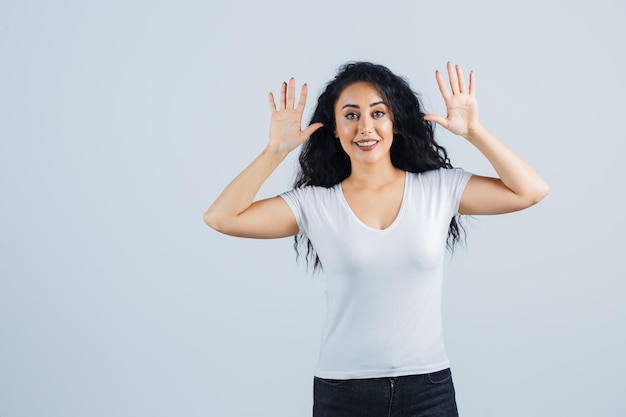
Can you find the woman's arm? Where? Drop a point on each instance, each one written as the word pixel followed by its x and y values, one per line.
pixel 235 212
pixel 518 185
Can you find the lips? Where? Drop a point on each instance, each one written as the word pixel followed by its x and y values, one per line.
pixel 366 145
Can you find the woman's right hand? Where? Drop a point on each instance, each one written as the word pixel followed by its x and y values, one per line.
pixel 286 132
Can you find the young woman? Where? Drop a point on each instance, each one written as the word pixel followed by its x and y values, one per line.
pixel 375 203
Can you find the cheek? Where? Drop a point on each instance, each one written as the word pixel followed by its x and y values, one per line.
pixel 387 127
pixel 343 129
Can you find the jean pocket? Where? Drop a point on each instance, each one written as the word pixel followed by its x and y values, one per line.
pixel 440 377
pixel 332 382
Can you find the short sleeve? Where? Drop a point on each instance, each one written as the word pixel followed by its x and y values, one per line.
pixel 444 188
pixel 295 200
pixel 455 180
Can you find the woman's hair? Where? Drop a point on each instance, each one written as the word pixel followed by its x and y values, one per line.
pixel 323 162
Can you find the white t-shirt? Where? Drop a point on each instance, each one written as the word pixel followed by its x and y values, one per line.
pixel 383 287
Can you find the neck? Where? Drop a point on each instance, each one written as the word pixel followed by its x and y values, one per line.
pixel 373 176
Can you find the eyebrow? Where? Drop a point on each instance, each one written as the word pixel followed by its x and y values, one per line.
pixel 357 107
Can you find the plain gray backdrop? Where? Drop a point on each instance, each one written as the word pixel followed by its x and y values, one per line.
pixel 121 121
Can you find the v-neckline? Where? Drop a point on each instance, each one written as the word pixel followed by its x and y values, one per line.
pixel 395 220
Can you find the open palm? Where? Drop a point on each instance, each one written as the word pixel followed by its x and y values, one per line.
pixel 461 105
pixel 286 131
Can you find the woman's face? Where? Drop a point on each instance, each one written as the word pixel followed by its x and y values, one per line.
pixel 364 124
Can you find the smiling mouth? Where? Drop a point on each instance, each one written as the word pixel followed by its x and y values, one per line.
pixel 366 143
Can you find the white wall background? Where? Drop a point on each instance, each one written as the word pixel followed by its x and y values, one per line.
pixel 121 121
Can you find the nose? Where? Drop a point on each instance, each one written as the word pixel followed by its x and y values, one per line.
pixel 365 125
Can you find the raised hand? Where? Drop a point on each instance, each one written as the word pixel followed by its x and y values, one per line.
pixel 461 105
pixel 286 132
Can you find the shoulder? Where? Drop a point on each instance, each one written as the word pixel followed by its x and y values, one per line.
pixel 441 180
pixel 439 174
pixel 311 193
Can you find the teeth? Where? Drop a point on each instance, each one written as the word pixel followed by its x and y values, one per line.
pixel 368 143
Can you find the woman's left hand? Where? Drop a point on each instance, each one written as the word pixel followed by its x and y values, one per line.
pixel 461 105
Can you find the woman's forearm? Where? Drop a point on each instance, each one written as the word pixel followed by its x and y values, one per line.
pixel 240 193
pixel 514 172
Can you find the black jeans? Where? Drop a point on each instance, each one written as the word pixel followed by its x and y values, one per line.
pixel 424 395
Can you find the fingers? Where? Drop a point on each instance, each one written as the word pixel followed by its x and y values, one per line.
pixel 288 97
pixel 452 76
pixel 442 85
pixel 271 102
pixel 283 96
pixel 310 129
pixel 457 81
pixel 303 93
pixel 291 96
pixel 437 119
pixel 459 74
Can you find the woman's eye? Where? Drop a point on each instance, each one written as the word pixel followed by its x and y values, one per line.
pixel 378 114
pixel 352 116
